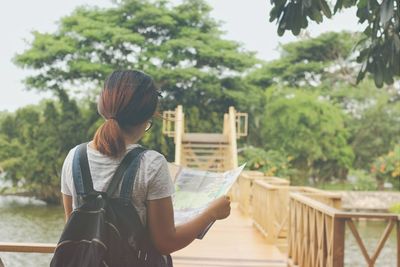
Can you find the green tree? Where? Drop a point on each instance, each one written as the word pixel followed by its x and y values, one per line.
pixel 379 46
pixel 34 142
pixel 180 46
pixel 310 62
pixel 311 131
pixel 374 126
pixel 325 65
pixel 321 65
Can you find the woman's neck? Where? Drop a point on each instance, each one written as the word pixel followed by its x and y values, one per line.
pixel 129 139
pixel 133 135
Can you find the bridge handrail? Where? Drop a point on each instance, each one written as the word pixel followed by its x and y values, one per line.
pixel 328 224
pixel 265 202
pixel 331 211
pixel 27 247
pixel 268 200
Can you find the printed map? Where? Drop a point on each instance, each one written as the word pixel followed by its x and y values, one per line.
pixel 195 189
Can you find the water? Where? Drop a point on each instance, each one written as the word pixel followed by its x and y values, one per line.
pixel 27 220
pixel 370 233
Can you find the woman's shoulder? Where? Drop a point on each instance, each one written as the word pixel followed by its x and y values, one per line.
pixel 153 159
pixel 150 157
pixel 70 155
pixel 154 155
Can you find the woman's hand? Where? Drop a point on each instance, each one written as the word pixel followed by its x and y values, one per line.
pixel 166 237
pixel 220 208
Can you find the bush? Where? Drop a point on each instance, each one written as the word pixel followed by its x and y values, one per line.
pixel 271 162
pixel 387 167
pixel 363 180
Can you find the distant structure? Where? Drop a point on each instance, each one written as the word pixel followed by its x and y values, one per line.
pixel 206 151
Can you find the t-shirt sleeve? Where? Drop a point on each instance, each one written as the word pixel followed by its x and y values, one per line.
pixel 160 183
pixel 66 175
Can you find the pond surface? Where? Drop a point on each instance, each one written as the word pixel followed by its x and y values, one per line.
pixel 370 232
pixel 24 219
pixel 27 220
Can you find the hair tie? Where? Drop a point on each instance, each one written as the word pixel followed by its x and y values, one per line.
pixel 112 118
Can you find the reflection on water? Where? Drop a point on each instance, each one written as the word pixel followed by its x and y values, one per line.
pixel 24 219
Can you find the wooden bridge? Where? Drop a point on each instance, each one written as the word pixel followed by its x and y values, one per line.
pixel 272 223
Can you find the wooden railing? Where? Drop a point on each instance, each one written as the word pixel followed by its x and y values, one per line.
pixel 317 233
pixel 27 247
pixel 266 200
pixel 208 151
pixel 271 216
pixel 242 190
pixel 168 126
pixel 305 222
pixel 270 204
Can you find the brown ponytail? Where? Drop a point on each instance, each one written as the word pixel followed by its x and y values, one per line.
pixel 109 139
pixel 128 98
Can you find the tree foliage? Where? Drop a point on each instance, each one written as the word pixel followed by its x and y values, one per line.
pixel 379 47
pixel 271 162
pixel 324 65
pixel 386 168
pixel 311 131
pixel 34 142
pixel 180 46
pixel 310 62
pixel 301 106
pixel 374 130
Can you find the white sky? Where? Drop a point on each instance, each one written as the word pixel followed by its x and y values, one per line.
pixel 245 21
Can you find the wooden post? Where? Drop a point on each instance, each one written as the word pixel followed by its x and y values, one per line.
pixel 178 134
pixel 232 136
pixel 398 242
pixel 226 124
pixel 271 219
pixel 338 231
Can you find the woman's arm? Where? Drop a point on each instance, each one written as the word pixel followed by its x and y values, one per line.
pixel 166 237
pixel 67 201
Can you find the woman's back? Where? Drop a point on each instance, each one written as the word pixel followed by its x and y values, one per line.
pixel 153 180
pixel 128 103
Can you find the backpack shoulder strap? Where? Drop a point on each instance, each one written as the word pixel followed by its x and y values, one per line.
pixel 130 176
pixel 81 172
pixel 129 158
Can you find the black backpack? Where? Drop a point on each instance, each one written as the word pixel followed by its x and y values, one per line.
pixel 104 230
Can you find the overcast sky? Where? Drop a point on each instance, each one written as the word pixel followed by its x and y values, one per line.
pixel 245 21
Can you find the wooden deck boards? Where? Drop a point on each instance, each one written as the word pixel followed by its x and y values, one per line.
pixel 230 242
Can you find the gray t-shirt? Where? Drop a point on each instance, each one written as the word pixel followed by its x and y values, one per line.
pixel 153 180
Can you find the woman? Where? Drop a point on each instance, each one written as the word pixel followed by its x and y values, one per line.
pixel 127 102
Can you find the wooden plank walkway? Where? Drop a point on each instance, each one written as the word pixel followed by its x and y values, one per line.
pixel 231 242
